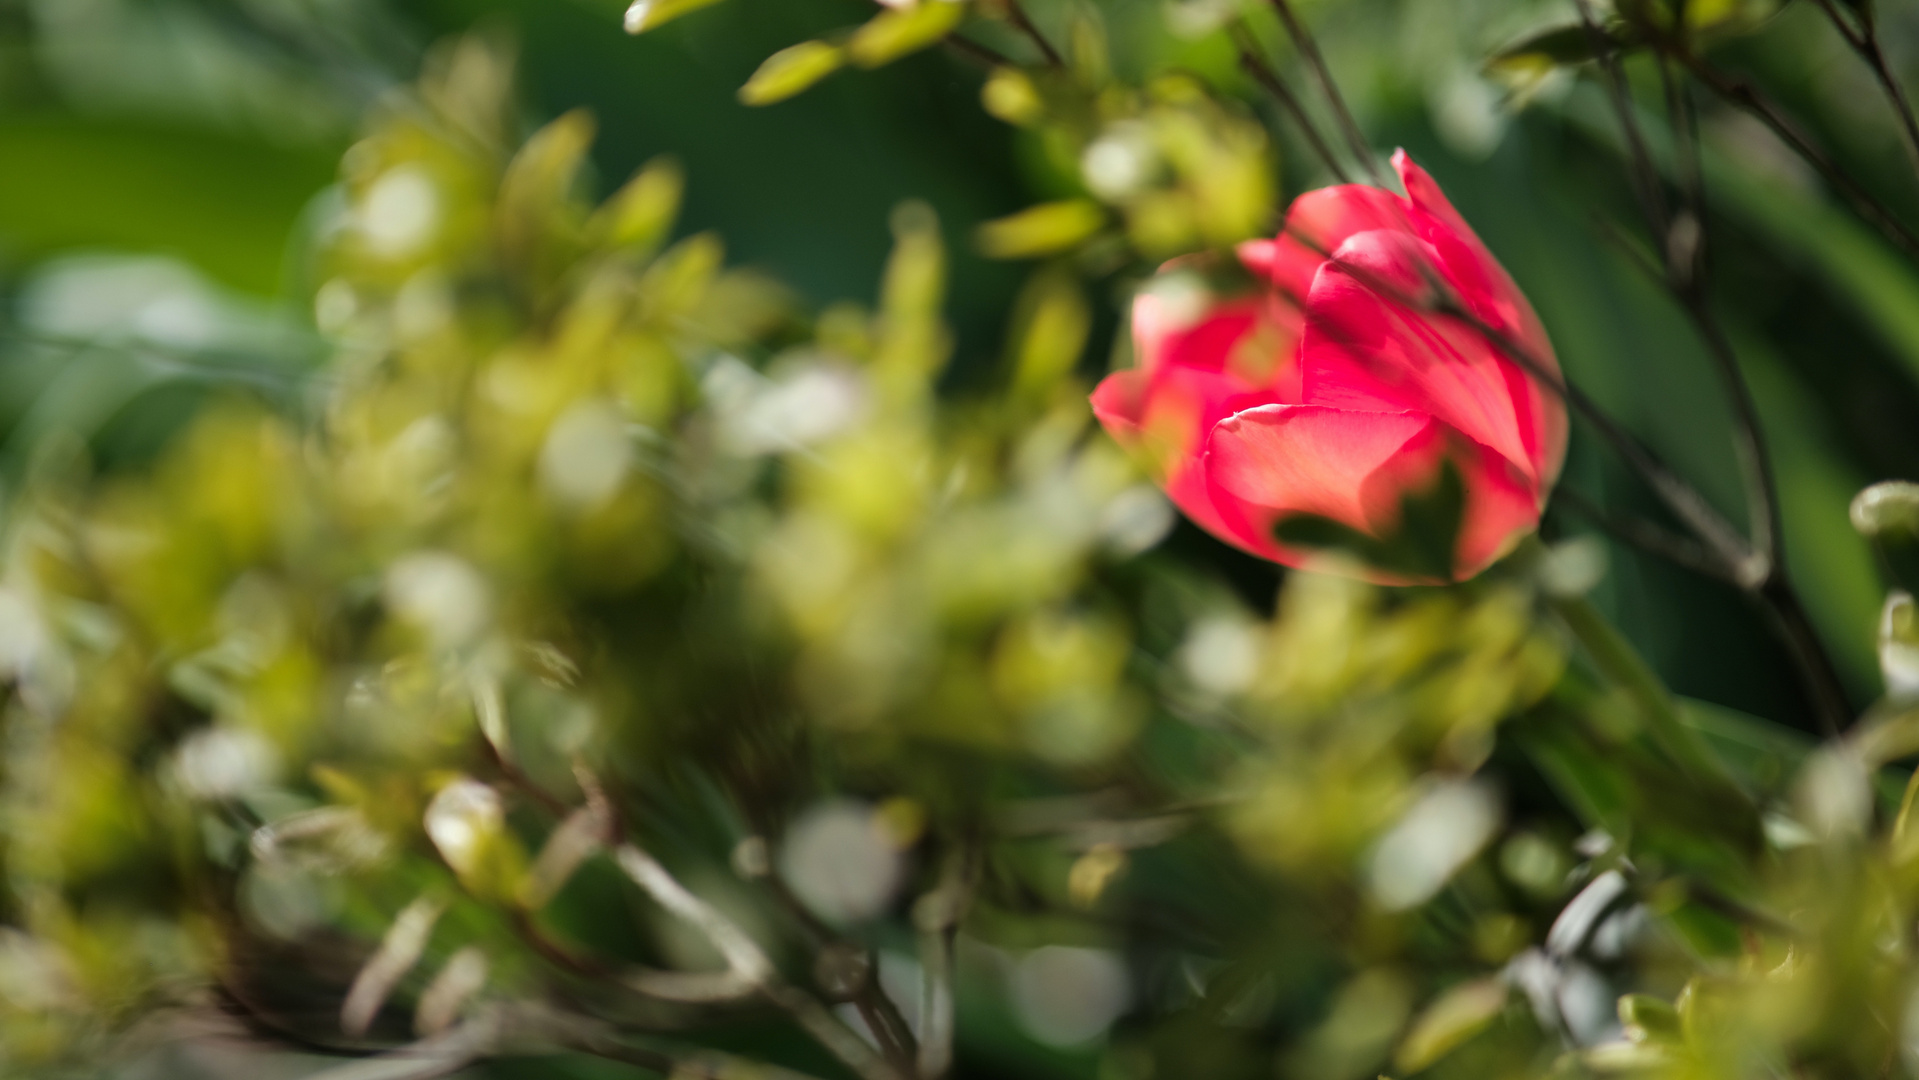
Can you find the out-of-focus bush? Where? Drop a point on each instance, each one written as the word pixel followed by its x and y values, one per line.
pixel 606 653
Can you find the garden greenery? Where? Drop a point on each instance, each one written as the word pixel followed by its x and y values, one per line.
pixel 607 653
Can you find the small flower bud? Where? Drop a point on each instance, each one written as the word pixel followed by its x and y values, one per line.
pixel 1887 514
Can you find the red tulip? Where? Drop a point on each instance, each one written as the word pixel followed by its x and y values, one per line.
pixel 1338 390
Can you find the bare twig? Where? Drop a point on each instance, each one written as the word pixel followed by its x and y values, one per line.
pixel 1264 74
pixel 973 50
pixel 749 972
pixel 1755 459
pixel 826 1029
pixel 879 1011
pixel 749 964
pixel 1016 15
pixel 400 949
pixel 1864 40
pixel 1683 274
pixel 1645 178
pixel 1647 536
pixel 1315 60
pixel 1748 98
pixel 741 953
pixel 1684 251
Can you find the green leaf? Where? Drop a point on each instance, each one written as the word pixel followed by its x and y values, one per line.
pixel 1648 1018
pixel 639 217
pixel 895 32
pixel 1458 1015
pixel 645 15
pixel 1046 229
pixel 790 71
pixel 540 218
pixel 1053 321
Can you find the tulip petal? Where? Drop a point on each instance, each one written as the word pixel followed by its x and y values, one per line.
pixel 1341 391
pixel 1165 419
pixel 1119 401
pixel 1164 335
pixel 1343 465
pixel 1489 292
pixel 1356 467
pixel 1366 351
pixel 1316 225
pixel 1424 194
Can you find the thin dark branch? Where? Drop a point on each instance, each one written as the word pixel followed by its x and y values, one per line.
pixel 524 784
pixel 1686 266
pixel 889 1029
pixel 1745 96
pixel 1268 78
pixel 1016 15
pixel 1630 249
pixel 879 1011
pixel 973 50
pixel 1802 640
pixel 1683 274
pixel 1685 245
pixel 1854 37
pixel 1645 536
pixel 1645 176
pixel 1316 61
pixel 1865 41
pixel 1755 458
pixel 1681 498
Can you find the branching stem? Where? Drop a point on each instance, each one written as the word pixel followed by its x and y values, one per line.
pixel 1745 96
pixel 1263 73
pixel 1016 15
pixel 1323 73
pixel 1864 40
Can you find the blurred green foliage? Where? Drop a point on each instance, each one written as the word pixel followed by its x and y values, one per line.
pixel 460 613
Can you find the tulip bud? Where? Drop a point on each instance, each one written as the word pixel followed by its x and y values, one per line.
pixel 1887 514
pixel 1339 403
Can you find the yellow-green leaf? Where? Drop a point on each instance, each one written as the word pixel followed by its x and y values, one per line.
pixel 895 32
pixel 790 71
pixel 1041 230
pixel 1458 1015
pixel 540 214
pixel 644 15
pixel 1054 321
pixel 1009 94
pixel 1648 1018
pixel 639 217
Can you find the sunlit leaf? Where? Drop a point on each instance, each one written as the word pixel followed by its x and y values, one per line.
pixel 1458 1015
pixel 640 216
pixel 895 32
pixel 790 71
pixel 644 15
pixel 1041 230
pixel 1053 325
